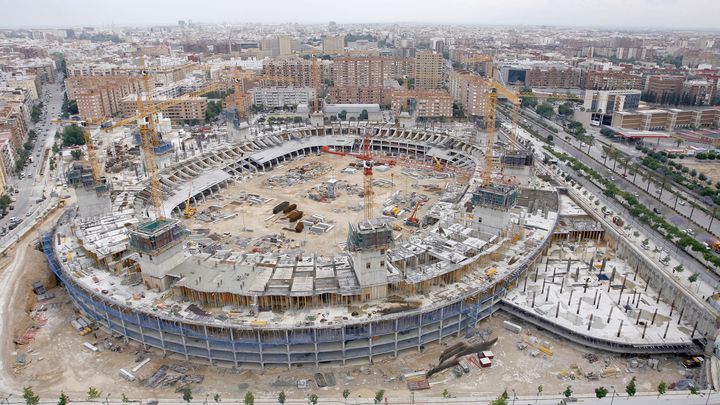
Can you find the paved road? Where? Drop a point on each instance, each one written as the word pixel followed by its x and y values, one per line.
pixel 671 200
pixel 33 187
pixel 683 257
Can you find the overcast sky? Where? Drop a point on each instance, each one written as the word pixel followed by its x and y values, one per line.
pixel 616 13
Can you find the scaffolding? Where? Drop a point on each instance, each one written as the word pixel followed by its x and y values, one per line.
pixel 156 236
pixel 369 235
pixel 495 196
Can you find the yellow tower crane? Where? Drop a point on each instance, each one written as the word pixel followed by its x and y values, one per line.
pixel 490 137
pixel 146 124
pixel 92 156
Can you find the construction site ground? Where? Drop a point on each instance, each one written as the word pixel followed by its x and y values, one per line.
pixel 240 225
pixel 56 360
pixel 711 168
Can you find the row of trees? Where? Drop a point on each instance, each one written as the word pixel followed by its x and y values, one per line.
pixel 249 399
pixel 640 211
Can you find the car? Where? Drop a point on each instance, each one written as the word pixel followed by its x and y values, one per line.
pixel 27 214
pixel 681 202
pixel 689 232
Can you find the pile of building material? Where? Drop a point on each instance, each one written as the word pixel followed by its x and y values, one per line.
pixel 166 376
pixel 299 175
pixel 452 356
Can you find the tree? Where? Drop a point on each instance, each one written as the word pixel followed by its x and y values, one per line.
pixel 30 397
pixel 631 389
pixel 214 108
pixel 63 400
pixel 601 392
pixel 693 278
pixel 217 398
pixel 124 398
pixel 5 202
pixel 93 393
pixel 249 398
pixel 187 395
pixel 379 395
pixel 662 387
pixel 73 135
pixel 499 401
pixel 568 391
pixel 545 110
pixel 565 109
pixel 76 154
pixel 693 390
pixel 313 399
pixel 550 138
pixel 528 101
pixel 281 397
pixel 539 391
pixel 679 268
pixel 346 394
pixel 446 394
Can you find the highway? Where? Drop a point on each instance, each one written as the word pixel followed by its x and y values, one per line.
pixel 33 187
pixel 676 205
pixel 690 263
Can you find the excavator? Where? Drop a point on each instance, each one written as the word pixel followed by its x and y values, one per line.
pixel 189 211
pixel 412 220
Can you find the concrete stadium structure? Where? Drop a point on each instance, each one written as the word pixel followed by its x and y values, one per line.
pixel 250 310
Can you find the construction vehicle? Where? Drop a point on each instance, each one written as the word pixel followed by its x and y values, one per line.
pixel 715 245
pixel 189 211
pixel 618 221
pixel 412 220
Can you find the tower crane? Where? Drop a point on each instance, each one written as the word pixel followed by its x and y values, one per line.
pixel 368 163
pixel 146 124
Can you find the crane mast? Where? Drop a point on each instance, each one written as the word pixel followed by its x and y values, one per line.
pixel 490 138
pixel 146 124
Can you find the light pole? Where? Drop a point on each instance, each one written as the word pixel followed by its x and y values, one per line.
pixel 706 399
pixel 613 395
pixel 514 396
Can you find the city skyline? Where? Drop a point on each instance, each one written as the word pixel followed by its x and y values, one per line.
pixel 665 14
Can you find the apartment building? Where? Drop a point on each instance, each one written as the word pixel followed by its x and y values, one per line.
pixel 99 97
pixel 666 89
pixel 160 75
pixel 281 96
pixel 429 70
pixel 291 71
pixel 423 103
pixel 662 86
pixel 359 95
pixel 14 120
pixel 333 43
pixel 470 90
pixel 369 70
pixel 553 77
pixel 189 109
pixel 608 80
pixel 18 80
pixel 7 157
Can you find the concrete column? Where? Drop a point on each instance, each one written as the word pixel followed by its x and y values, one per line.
pixel 590 323
pixel 610 313
pixel 620 328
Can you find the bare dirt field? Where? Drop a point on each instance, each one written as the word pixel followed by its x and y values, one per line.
pixel 59 362
pixel 241 223
pixel 711 168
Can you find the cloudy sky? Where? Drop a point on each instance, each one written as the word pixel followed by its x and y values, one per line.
pixel 613 13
